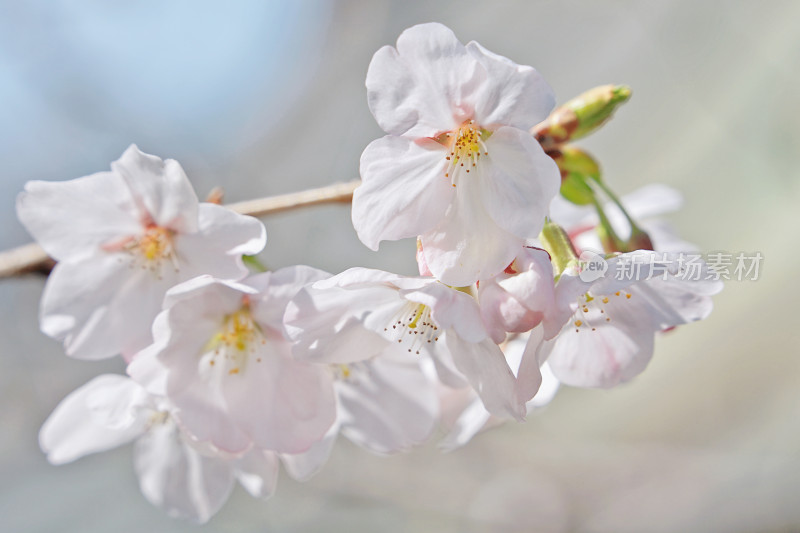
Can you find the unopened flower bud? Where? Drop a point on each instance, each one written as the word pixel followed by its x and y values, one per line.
pixel 582 115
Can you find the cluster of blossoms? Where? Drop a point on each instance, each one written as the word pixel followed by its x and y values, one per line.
pixel 231 374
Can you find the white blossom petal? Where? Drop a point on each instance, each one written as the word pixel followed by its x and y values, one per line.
pixel 404 190
pixel 177 478
pixel 100 306
pixel 63 216
pixel 107 412
pixel 387 405
pixel 160 189
pixel 426 85
pixel 216 249
pixel 468 245
pixel 513 95
pixel 517 182
pixel 485 367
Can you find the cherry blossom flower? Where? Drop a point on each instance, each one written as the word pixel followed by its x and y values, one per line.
pixel 601 333
pixel 363 314
pixel 122 239
pixel 174 473
pixel 458 168
pixel 220 357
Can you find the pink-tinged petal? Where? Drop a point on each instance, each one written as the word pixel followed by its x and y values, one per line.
pixel 386 405
pixel 160 189
pixel 533 286
pixel 515 303
pixel 257 472
pixel 72 219
pixel 512 95
pixel 216 249
pixel 426 85
pixel 404 190
pixel 107 412
pixel 450 308
pixel 100 306
pixel 326 324
pixel 176 478
pixel 202 412
pixel 445 367
pixel 517 182
pixel 277 288
pixel 615 352
pixel 282 404
pixel 529 374
pixel 502 313
pixel 485 367
pixel 673 302
pixel 147 370
pixel 223 294
pixel 302 466
pixel 468 245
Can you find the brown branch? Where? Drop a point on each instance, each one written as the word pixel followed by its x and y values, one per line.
pixel 30 258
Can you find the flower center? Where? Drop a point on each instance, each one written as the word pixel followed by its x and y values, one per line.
pixel 413 327
pixel 150 250
pixel 232 346
pixel 466 146
pixel 591 310
pixel 155 244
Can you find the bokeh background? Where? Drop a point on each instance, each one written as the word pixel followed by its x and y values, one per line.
pixel 267 97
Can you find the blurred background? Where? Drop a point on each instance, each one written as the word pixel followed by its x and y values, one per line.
pixel 267 97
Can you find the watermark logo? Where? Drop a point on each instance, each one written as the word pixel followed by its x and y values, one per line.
pixel 591 266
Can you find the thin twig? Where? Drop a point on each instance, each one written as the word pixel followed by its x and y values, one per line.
pixel 30 258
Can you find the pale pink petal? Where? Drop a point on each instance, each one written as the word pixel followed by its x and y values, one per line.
pixel 107 412
pixel 100 306
pixel 72 219
pixel 216 249
pixel 386 405
pixel 426 85
pixel 513 95
pixel 468 245
pixel 325 324
pixel 613 353
pixel 257 472
pixel 282 404
pixel 529 374
pixel 277 288
pixel 404 190
pixel 178 479
pixel 502 313
pixel 160 189
pixel 485 367
pixel 517 182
